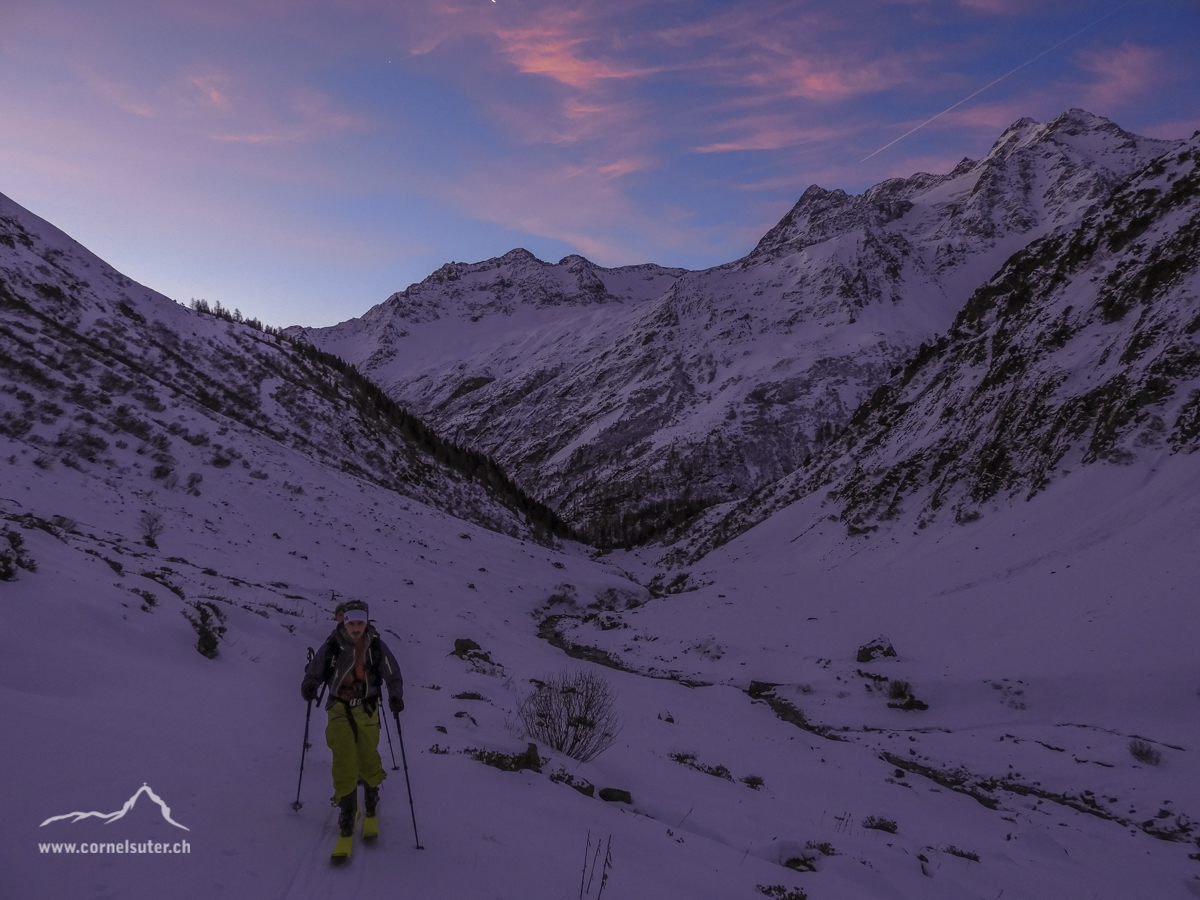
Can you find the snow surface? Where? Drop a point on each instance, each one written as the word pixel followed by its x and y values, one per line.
pixel 1077 608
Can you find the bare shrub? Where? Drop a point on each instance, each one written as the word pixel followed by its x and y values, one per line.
pixel 717 771
pixel 572 713
pixel 13 556
pixel 879 824
pixel 781 892
pixel 151 526
pixel 208 621
pixel 962 854
pixel 1144 753
pixel 899 690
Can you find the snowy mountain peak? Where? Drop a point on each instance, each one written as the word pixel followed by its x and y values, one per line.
pixel 628 399
pixel 1075 128
pixel 1081 350
pixel 1039 168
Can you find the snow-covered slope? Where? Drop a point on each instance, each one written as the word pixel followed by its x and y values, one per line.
pixel 112 687
pixel 111 379
pixel 627 418
pixel 1082 350
pixel 760 755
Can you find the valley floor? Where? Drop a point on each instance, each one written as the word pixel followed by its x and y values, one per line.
pixel 1042 643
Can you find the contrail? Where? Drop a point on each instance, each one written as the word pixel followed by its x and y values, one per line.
pixel 1001 78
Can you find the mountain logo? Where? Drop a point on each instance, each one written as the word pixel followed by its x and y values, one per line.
pixel 113 816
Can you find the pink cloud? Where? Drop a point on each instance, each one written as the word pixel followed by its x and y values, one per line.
pixel 989 117
pixel 211 94
pixel 1122 74
pixel 582 205
pixel 120 96
pixel 827 79
pixel 998 7
pixel 624 167
pixel 554 46
pixel 307 116
pixel 768 133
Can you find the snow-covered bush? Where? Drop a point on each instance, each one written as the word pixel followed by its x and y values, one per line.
pixel 708 648
pixel 1144 753
pixel 573 714
pixel 962 854
pixel 208 621
pixel 689 760
pixel 13 556
pixel 780 892
pixel 879 824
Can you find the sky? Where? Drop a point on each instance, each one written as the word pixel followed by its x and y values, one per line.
pixel 301 160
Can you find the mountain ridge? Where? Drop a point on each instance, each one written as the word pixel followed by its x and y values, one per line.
pixel 1081 350
pixel 628 419
pixel 98 362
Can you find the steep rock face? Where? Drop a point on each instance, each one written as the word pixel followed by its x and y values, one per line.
pixel 629 417
pixel 109 378
pixel 1083 349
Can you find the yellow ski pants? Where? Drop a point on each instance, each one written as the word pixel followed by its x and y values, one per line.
pixel 355 748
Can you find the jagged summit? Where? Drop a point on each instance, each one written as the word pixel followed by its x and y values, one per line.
pixel 1085 154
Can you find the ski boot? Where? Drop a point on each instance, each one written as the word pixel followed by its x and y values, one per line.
pixel 370 823
pixel 346 819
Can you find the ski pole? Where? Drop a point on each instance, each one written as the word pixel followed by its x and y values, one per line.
pixel 303 750
pixel 407 783
pixel 388 732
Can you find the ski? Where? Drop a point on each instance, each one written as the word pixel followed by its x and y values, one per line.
pixel 341 850
pixel 370 829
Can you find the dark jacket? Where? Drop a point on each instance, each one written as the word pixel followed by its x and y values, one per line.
pixel 336 658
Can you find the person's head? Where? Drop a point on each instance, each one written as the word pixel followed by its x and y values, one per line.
pixel 355 615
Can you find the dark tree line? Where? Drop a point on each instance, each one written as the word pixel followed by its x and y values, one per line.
pixel 371 401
